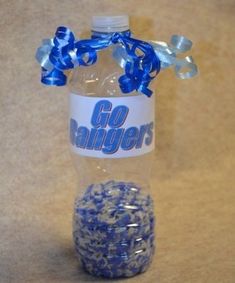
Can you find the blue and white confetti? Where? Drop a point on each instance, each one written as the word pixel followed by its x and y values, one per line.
pixel 114 229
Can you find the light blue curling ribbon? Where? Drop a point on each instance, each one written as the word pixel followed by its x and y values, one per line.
pixel 140 60
pixel 167 54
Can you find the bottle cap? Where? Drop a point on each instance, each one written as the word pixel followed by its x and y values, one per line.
pixel 110 23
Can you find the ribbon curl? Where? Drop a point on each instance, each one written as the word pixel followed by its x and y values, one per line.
pixel 141 60
pixel 167 54
pixel 64 53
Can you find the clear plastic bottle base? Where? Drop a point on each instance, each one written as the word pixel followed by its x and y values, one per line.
pixel 113 229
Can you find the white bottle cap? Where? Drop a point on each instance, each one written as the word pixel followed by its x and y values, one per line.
pixel 110 23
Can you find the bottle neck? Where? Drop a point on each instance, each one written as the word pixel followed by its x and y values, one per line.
pixel 102 35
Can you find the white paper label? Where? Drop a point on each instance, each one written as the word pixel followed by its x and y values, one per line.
pixel 111 127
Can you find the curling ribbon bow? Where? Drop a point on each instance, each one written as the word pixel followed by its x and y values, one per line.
pixel 141 60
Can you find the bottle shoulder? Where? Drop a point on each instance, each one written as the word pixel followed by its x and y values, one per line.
pixel 99 79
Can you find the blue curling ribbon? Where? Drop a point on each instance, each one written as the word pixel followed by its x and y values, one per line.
pixel 64 53
pixel 140 60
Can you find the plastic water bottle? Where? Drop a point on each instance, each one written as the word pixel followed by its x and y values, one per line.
pixel 112 143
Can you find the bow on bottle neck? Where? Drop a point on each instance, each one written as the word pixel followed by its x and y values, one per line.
pixel 140 60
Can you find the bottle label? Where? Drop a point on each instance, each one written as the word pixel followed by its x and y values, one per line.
pixel 111 127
